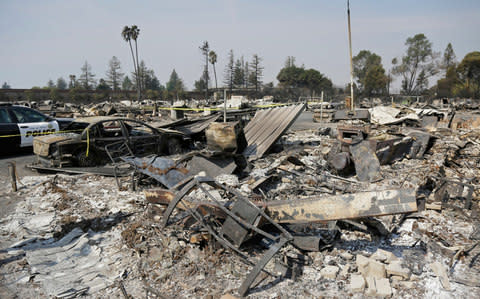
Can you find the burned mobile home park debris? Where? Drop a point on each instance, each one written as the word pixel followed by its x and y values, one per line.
pixel 97 139
pixel 383 206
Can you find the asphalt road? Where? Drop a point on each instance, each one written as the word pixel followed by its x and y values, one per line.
pixel 8 199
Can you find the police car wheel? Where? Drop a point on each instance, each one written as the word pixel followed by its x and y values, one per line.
pixel 84 161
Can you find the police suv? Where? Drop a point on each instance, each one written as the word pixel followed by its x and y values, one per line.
pixel 19 124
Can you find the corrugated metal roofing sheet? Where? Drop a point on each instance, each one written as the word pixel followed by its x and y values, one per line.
pixel 197 125
pixel 267 126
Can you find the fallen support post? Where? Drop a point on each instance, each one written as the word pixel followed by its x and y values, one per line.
pixel 12 170
pixel 346 206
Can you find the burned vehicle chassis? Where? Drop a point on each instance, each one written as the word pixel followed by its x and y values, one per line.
pixel 99 144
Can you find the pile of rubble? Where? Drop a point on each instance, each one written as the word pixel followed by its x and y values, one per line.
pixel 383 206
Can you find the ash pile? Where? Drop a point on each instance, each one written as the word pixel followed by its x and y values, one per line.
pixel 380 202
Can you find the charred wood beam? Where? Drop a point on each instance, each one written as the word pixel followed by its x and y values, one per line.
pixel 346 206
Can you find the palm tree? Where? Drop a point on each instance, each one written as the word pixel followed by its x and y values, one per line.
pixel 204 49
pixel 213 59
pixel 127 36
pixel 72 81
pixel 135 32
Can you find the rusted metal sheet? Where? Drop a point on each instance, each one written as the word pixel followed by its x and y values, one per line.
pixel 41 144
pixel 267 126
pixel 163 170
pixel 222 136
pixel 164 197
pixel 159 196
pixel 347 206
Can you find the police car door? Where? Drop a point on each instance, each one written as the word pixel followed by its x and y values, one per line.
pixel 32 123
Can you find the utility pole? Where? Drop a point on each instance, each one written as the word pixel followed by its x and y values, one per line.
pixel 224 105
pixel 321 107
pixel 352 108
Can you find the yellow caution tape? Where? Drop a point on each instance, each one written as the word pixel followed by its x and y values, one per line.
pixel 217 108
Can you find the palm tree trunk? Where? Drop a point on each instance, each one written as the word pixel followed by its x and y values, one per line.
pixel 206 76
pixel 135 68
pixel 215 73
pixel 138 72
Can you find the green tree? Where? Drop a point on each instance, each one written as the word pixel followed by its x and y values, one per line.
pixel 103 85
pixel 114 73
pixel 152 94
pixel 127 84
pixel 449 58
pixel 87 77
pixel 229 72
pixel 140 77
pixel 256 75
pixel 200 84
pixel 212 56
pixel 290 77
pixel 75 95
pixel 375 81
pixel 314 81
pixel 54 96
pixel 446 85
pixel 238 74
pixel 362 62
pixel 468 72
pixel 205 49
pixel 175 85
pixel 152 82
pixel 61 83
pixel 50 84
pixel 419 60
pixel 5 85
pixel 370 74
pixel 246 72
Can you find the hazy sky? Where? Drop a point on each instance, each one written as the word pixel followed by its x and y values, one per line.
pixel 42 40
